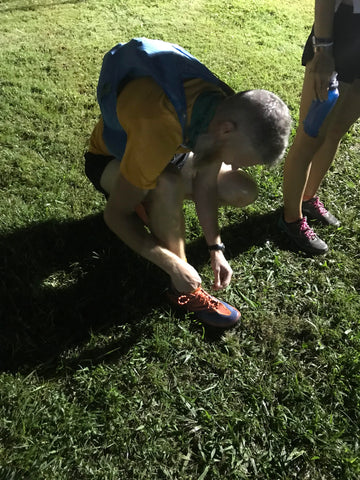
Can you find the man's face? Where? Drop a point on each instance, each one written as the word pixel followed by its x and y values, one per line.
pixel 238 152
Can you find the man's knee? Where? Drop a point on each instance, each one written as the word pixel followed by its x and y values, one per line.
pixel 237 188
pixel 247 194
pixel 251 193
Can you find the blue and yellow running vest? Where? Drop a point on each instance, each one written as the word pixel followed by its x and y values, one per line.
pixel 168 64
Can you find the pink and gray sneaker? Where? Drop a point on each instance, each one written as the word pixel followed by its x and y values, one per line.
pixel 303 235
pixel 314 209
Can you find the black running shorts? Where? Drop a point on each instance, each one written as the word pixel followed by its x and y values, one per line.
pixel 94 167
pixel 346 44
pixel 96 164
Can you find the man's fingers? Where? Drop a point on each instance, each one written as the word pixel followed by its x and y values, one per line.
pixel 217 283
pixel 226 278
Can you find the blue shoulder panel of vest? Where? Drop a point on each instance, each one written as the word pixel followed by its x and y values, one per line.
pixel 167 63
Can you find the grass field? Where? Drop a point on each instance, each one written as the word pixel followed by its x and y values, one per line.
pixel 100 379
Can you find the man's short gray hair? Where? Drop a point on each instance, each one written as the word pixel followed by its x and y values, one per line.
pixel 264 118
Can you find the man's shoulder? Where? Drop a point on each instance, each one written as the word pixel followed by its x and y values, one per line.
pixel 143 85
pixel 196 86
pixel 140 86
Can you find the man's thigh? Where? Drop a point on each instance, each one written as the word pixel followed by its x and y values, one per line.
pixel 109 174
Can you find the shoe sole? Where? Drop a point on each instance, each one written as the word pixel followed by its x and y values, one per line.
pixel 217 323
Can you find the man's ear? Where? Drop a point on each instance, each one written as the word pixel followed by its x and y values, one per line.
pixel 226 127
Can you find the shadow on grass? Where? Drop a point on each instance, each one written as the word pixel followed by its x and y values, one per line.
pixel 239 237
pixel 60 281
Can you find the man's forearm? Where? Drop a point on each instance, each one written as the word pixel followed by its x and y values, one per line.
pixel 130 229
pixel 205 196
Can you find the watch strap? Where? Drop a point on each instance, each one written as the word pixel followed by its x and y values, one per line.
pixel 217 247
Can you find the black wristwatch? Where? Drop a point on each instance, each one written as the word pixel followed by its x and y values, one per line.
pixel 217 246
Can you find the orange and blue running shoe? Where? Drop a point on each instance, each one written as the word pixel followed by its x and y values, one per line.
pixel 208 309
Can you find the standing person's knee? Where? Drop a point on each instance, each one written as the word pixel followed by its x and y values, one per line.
pixel 334 133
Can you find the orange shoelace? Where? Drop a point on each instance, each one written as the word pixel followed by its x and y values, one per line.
pixel 201 300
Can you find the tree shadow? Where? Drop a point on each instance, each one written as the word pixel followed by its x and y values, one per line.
pixel 61 281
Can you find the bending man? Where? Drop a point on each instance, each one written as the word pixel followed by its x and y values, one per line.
pixel 159 168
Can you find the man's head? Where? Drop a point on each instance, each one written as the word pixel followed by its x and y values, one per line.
pixel 248 128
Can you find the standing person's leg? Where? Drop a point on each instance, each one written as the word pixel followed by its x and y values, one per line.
pixel 344 114
pixel 316 161
pixel 299 158
pixel 309 159
pixel 296 172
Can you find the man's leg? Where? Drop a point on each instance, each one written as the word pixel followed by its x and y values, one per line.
pixel 164 208
pixel 166 221
pixel 235 187
pixel 298 160
pixel 109 174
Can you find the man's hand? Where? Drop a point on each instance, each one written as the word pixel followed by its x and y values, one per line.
pixel 221 268
pixel 184 277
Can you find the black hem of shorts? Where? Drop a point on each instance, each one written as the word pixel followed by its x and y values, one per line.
pixel 94 168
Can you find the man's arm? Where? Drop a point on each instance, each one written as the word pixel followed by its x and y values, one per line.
pixel 120 217
pixel 205 196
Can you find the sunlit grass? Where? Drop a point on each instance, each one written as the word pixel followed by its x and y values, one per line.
pixel 101 378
